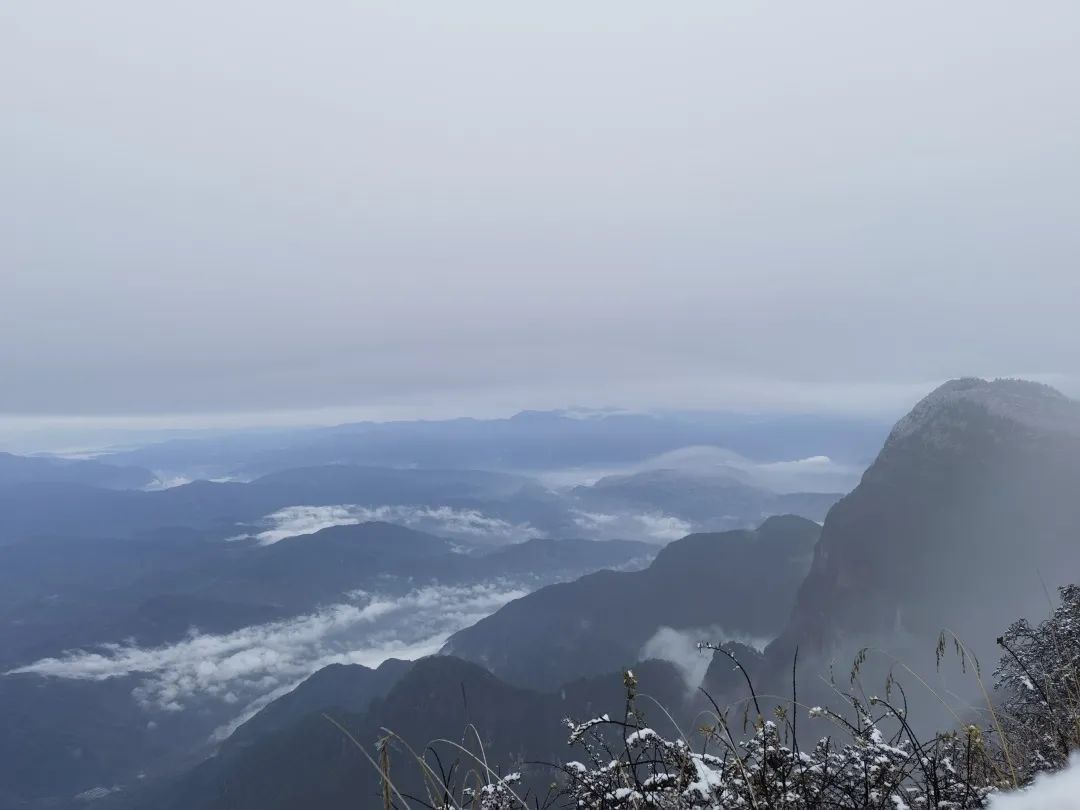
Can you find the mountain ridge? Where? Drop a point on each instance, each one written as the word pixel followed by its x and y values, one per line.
pixel 970 501
pixel 602 621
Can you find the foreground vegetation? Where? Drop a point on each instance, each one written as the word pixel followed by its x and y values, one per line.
pixel 873 758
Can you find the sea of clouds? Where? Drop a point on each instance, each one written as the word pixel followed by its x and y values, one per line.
pixel 248 668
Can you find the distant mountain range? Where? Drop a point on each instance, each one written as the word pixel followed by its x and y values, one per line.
pixel 37 469
pixel 44 508
pixel 964 520
pixel 615 508
pixel 529 441
pixel 698 496
pixel 152 590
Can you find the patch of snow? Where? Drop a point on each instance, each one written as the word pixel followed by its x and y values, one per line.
pixel 1052 791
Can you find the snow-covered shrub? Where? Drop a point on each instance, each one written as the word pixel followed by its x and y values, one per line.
pixel 768 770
pixel 1038 680
pixel 873 760
pixel 497 794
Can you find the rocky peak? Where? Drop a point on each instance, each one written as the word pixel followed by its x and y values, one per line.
pixel 971 502
pixel 1028 404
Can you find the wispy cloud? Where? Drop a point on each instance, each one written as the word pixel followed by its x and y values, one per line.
pixel 467 524
pixel 296 521
pixel 813 474
pixel 653 526
pixel 251 666
pixel 679 647
pixel 165 481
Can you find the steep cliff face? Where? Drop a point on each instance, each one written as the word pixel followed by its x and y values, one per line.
pixel 972 504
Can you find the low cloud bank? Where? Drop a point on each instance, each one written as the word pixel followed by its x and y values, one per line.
pixel 251 666
pixel 813 474
pixel 465 524
pixel 654 526
pixel 167 482
pixel 679 647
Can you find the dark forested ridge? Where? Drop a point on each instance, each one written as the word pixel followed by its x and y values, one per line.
pixel 306 760
pixel 44 469
pixel 741 583
pixel 530 440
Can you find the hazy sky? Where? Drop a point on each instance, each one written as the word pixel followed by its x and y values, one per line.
pixel 248 206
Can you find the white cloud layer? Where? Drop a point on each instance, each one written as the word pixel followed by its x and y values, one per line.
pixel 654 526
pixel 679 647
pixel 467 524
pixel 253 665
pixel 166 481
pixel 813 474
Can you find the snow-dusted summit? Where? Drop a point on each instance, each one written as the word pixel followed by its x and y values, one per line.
pixel 1029 404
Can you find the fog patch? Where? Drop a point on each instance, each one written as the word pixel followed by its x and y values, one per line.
pixel 296 521
pixel 365 656
pixel 95 793
pixel 813 474
pixel 650 526
pixel 680 648
pixel 166 482
pixel 465 524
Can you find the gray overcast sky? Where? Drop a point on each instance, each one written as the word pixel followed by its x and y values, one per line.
pixel 247 206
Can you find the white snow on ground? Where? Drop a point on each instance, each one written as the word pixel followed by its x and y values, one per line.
pixel 1051 791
